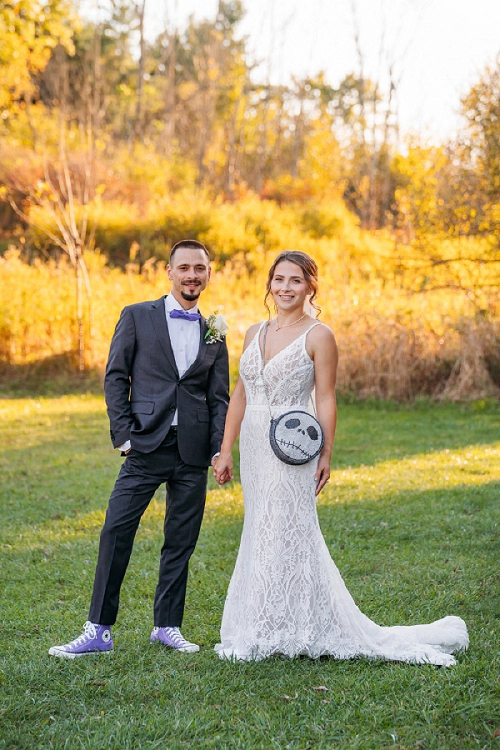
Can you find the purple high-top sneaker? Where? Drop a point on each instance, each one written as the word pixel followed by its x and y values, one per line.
pixel 173 637
pixel 94 638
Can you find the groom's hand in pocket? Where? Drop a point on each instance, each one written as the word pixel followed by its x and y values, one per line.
pixel 125 448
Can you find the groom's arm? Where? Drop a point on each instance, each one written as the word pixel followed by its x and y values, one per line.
pixel 218 397
pixel 117 378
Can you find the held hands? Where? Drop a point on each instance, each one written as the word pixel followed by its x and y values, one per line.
pixel 322 475
pixel 223 468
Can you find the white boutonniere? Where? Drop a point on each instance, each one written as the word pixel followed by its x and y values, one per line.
pixel 217 328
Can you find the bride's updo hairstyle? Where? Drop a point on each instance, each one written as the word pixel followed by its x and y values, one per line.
pixel 309 269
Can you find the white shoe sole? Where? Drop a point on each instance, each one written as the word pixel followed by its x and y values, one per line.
pixel 54 651
pixel 193 648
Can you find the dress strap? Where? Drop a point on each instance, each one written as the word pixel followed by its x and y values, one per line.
pixel 312 395
pixel 257 335
pixel 316 323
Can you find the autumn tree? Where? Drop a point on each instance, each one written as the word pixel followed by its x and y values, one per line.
pixel 30 30
pixel 57 201
pixel 480 150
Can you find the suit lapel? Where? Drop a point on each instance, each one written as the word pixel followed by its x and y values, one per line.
pixel 201 350
pixel 159 319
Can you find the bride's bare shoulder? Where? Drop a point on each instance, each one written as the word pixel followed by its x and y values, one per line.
pixel 321 337
pixel 251 334
pixel 253 330
pixel 321 332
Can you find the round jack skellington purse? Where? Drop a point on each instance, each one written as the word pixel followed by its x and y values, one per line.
pixel 296 437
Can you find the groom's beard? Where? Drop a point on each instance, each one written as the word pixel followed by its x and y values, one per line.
pixel 191 297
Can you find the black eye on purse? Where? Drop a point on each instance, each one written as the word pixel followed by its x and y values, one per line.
pixel 296 437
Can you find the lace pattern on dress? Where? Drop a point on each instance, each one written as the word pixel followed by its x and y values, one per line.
pixel 286 595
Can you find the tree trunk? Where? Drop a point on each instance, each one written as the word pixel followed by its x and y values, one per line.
pixel 231 151
pixel 262 148
pixel 79 312
pixel 138 130
pixel 169 130
pixel 298 138
pixel 27 101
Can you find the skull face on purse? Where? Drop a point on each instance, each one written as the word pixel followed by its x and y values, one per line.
pixel 296 437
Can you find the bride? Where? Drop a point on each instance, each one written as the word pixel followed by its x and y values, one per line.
pixel 286 595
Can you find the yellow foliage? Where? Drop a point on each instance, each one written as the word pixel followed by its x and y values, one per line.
pixel 391 344
pixel 394 342
pixel 29 31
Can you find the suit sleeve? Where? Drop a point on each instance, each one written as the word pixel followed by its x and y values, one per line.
pixel 117 378
pixel 218 397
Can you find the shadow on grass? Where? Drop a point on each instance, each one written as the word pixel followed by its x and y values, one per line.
pixel 56 375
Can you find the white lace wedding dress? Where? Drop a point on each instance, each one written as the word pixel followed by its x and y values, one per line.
pixel 286 595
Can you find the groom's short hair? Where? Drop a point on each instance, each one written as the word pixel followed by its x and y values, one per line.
pixel 188 243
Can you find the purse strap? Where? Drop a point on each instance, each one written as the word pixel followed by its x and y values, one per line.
pixel 263 365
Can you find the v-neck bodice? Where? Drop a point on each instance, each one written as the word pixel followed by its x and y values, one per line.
pixel 289 375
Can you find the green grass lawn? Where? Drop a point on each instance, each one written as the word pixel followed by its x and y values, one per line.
pixel 411 517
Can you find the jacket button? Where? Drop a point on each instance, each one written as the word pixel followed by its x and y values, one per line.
pixel 172 408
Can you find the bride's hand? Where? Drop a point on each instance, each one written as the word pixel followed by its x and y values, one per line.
pixel 223 469
pixel 322 475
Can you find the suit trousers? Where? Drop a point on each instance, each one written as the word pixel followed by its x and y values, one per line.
pixel 140 476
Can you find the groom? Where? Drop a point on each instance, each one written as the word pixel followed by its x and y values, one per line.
pixel 167 392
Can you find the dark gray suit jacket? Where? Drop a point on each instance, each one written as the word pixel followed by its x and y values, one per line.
pixel 143 388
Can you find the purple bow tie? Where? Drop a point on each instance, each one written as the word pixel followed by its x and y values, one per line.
pixel 184 315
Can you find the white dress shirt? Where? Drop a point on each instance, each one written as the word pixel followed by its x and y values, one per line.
pixel 184 337
pixel 185 340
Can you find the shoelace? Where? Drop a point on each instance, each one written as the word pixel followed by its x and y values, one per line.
pixel 174 635
pixel 89 631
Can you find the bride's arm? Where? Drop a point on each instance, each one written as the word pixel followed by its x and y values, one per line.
pixel 223 469
pixel 325 355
